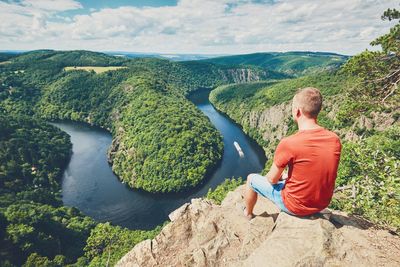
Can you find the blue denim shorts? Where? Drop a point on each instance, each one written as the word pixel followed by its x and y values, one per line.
pixel 262 186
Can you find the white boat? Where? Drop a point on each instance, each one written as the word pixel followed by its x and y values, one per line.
pixel 239 149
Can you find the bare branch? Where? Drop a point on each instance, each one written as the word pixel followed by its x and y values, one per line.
pixel 389 75
pixel 391 92
pixel 343 188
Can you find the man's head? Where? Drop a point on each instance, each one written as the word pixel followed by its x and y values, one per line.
pixel 307 103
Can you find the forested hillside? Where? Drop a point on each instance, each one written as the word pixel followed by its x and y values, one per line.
pixel 172 149
pixel 361 105
pixel 188 76
pixel 5 56
pixel 289 63
pixel 33 219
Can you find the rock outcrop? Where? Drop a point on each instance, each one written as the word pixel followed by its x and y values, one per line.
pixel 204 234
pixel 272 122
pixel 242 75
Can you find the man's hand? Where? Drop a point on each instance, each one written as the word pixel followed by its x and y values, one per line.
pixel 274 174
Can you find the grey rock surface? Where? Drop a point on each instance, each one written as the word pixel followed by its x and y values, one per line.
pixel 205 234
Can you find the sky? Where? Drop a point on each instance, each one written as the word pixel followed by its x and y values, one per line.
pixel 193 26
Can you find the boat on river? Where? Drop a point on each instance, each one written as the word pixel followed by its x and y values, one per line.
pixel 239 149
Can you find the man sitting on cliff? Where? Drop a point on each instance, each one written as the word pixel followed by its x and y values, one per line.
pixel 312 156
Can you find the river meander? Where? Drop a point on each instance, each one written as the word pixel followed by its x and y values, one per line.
pixel 90 185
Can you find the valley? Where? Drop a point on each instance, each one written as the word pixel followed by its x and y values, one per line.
pixel 147 136
pixel 90 185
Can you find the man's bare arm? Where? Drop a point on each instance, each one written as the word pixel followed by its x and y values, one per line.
pixel 274 174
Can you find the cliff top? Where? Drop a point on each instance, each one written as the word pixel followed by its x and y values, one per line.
pixel 205 234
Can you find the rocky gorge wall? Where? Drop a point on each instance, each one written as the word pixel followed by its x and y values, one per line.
pixel 242 75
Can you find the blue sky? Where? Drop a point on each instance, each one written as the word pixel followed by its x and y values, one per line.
pixel 89 5
pixel 118 3
pixel 193 26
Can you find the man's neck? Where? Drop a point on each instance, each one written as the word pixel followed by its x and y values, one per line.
pixel 308 124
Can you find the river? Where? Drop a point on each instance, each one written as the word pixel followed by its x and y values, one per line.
pixel 90 185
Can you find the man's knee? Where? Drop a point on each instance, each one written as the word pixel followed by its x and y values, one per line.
pixel 249 177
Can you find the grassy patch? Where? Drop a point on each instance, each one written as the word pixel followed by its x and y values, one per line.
pixel 219 193
pixel 95 69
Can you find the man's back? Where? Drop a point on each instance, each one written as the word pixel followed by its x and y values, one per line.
pixel 313 157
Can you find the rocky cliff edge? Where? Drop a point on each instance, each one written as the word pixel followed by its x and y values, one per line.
pixel 204 234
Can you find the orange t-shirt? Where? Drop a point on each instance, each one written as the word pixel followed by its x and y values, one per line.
pixel 313 159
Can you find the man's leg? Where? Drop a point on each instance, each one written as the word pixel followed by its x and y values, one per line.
pixel 250 198
pixel 258 184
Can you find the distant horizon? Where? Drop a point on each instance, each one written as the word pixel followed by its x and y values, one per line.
pixel 162 53
pixel 209 27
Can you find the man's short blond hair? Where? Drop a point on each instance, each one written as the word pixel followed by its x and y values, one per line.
pixel 309 100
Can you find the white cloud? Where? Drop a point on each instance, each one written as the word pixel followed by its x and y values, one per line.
pixel 52 5
pixel 197 26
pixel 27 22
